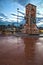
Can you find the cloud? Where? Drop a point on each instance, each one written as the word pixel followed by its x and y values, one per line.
pixel 1 19
pixel 40 13
pixel 40 23
pixel 3 15
pixel 21 12
pixel 17 15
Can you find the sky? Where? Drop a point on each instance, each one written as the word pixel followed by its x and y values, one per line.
pixel 8 9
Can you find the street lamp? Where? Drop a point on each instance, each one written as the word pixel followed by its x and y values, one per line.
pixel 17 17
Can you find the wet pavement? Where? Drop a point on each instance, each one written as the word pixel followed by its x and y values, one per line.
pixel 21 50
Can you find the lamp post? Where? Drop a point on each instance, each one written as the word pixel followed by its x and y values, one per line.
pixel 17 18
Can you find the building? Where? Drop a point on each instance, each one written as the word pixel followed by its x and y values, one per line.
pixel 30 26
pixel 41 30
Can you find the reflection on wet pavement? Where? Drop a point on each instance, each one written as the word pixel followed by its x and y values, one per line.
pixel 21 51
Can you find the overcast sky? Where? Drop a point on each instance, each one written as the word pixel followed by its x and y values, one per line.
pixel 8 7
